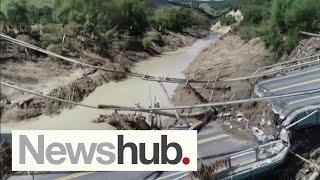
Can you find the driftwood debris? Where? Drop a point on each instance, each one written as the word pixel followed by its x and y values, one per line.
pixel 126 121
pixel 162 113
pixel 209 171
pixel 208 117
pixel 197 94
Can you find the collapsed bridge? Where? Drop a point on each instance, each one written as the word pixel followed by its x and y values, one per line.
pixel 295 97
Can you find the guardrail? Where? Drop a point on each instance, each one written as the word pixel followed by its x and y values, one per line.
pixel 288 64
pixel 261 158
pixel 299 64
pixel 245 162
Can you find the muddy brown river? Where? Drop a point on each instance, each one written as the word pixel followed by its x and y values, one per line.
pixel 127 92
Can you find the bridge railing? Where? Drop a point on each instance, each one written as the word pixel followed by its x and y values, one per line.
pixel 279 66
pixel 265 155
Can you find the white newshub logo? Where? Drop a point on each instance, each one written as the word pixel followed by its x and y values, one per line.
pixel 104 150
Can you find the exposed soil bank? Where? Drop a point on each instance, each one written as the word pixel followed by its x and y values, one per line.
pixel 51 76
pixel 231 57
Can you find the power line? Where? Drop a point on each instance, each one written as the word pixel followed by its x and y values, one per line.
pixel 275 70
pixel 309 34
pixel 132 74
pixel 304 118
pixel 46 96
pixel 196 106
pixel 244 101
pixel 155 78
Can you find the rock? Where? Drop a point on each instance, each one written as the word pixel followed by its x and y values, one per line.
pixel 269 123
pixel 228 114
pixel 262 122
pixel 240 114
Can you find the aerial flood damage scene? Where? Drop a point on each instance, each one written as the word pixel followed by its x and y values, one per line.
pixel 243 75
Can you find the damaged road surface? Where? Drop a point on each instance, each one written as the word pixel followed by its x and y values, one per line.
pixel 289 84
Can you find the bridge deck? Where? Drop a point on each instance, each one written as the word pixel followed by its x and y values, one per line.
pixel 290 84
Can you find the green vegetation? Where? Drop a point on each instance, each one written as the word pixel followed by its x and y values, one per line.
pixel 253 15
pixel 102 24
pixel 288 18
pixel 54 48
pixel 173 19
pixel 227 20
pixel 218 5
pixel 100 16
pixel 146 42
pixel 207 8
pixel 23 12
pixel 278 22
pixel 18 12
pixel 257 14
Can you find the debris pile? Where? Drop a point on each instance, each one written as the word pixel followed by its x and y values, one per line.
pixel 207 171
pixel 127 121
pixel 306 47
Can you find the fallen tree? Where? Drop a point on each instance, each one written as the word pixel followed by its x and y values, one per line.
pixel 159 112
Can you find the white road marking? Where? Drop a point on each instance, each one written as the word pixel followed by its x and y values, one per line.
pixel 295 85
pixel 73 176
pixel 214 138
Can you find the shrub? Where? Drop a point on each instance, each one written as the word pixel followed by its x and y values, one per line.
pixel 17 12
pixel 72 29
pixel 292 41
pixel 110 36
pixel 88 27
pixel 207 8
pixel 288 18
pixel 147 42
pixel 157 38
pixel 275 41
pixel 54 48
pixel 23 12
pixel 47 39
pixel 174 19
pixel 53 28
pixel 98 16
pixel 252 15
pixel 149 6
pixel 227 20
pixel 2 17
pixel 73 44
pixel 135 17
pixel 106 41
pixel 247 33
